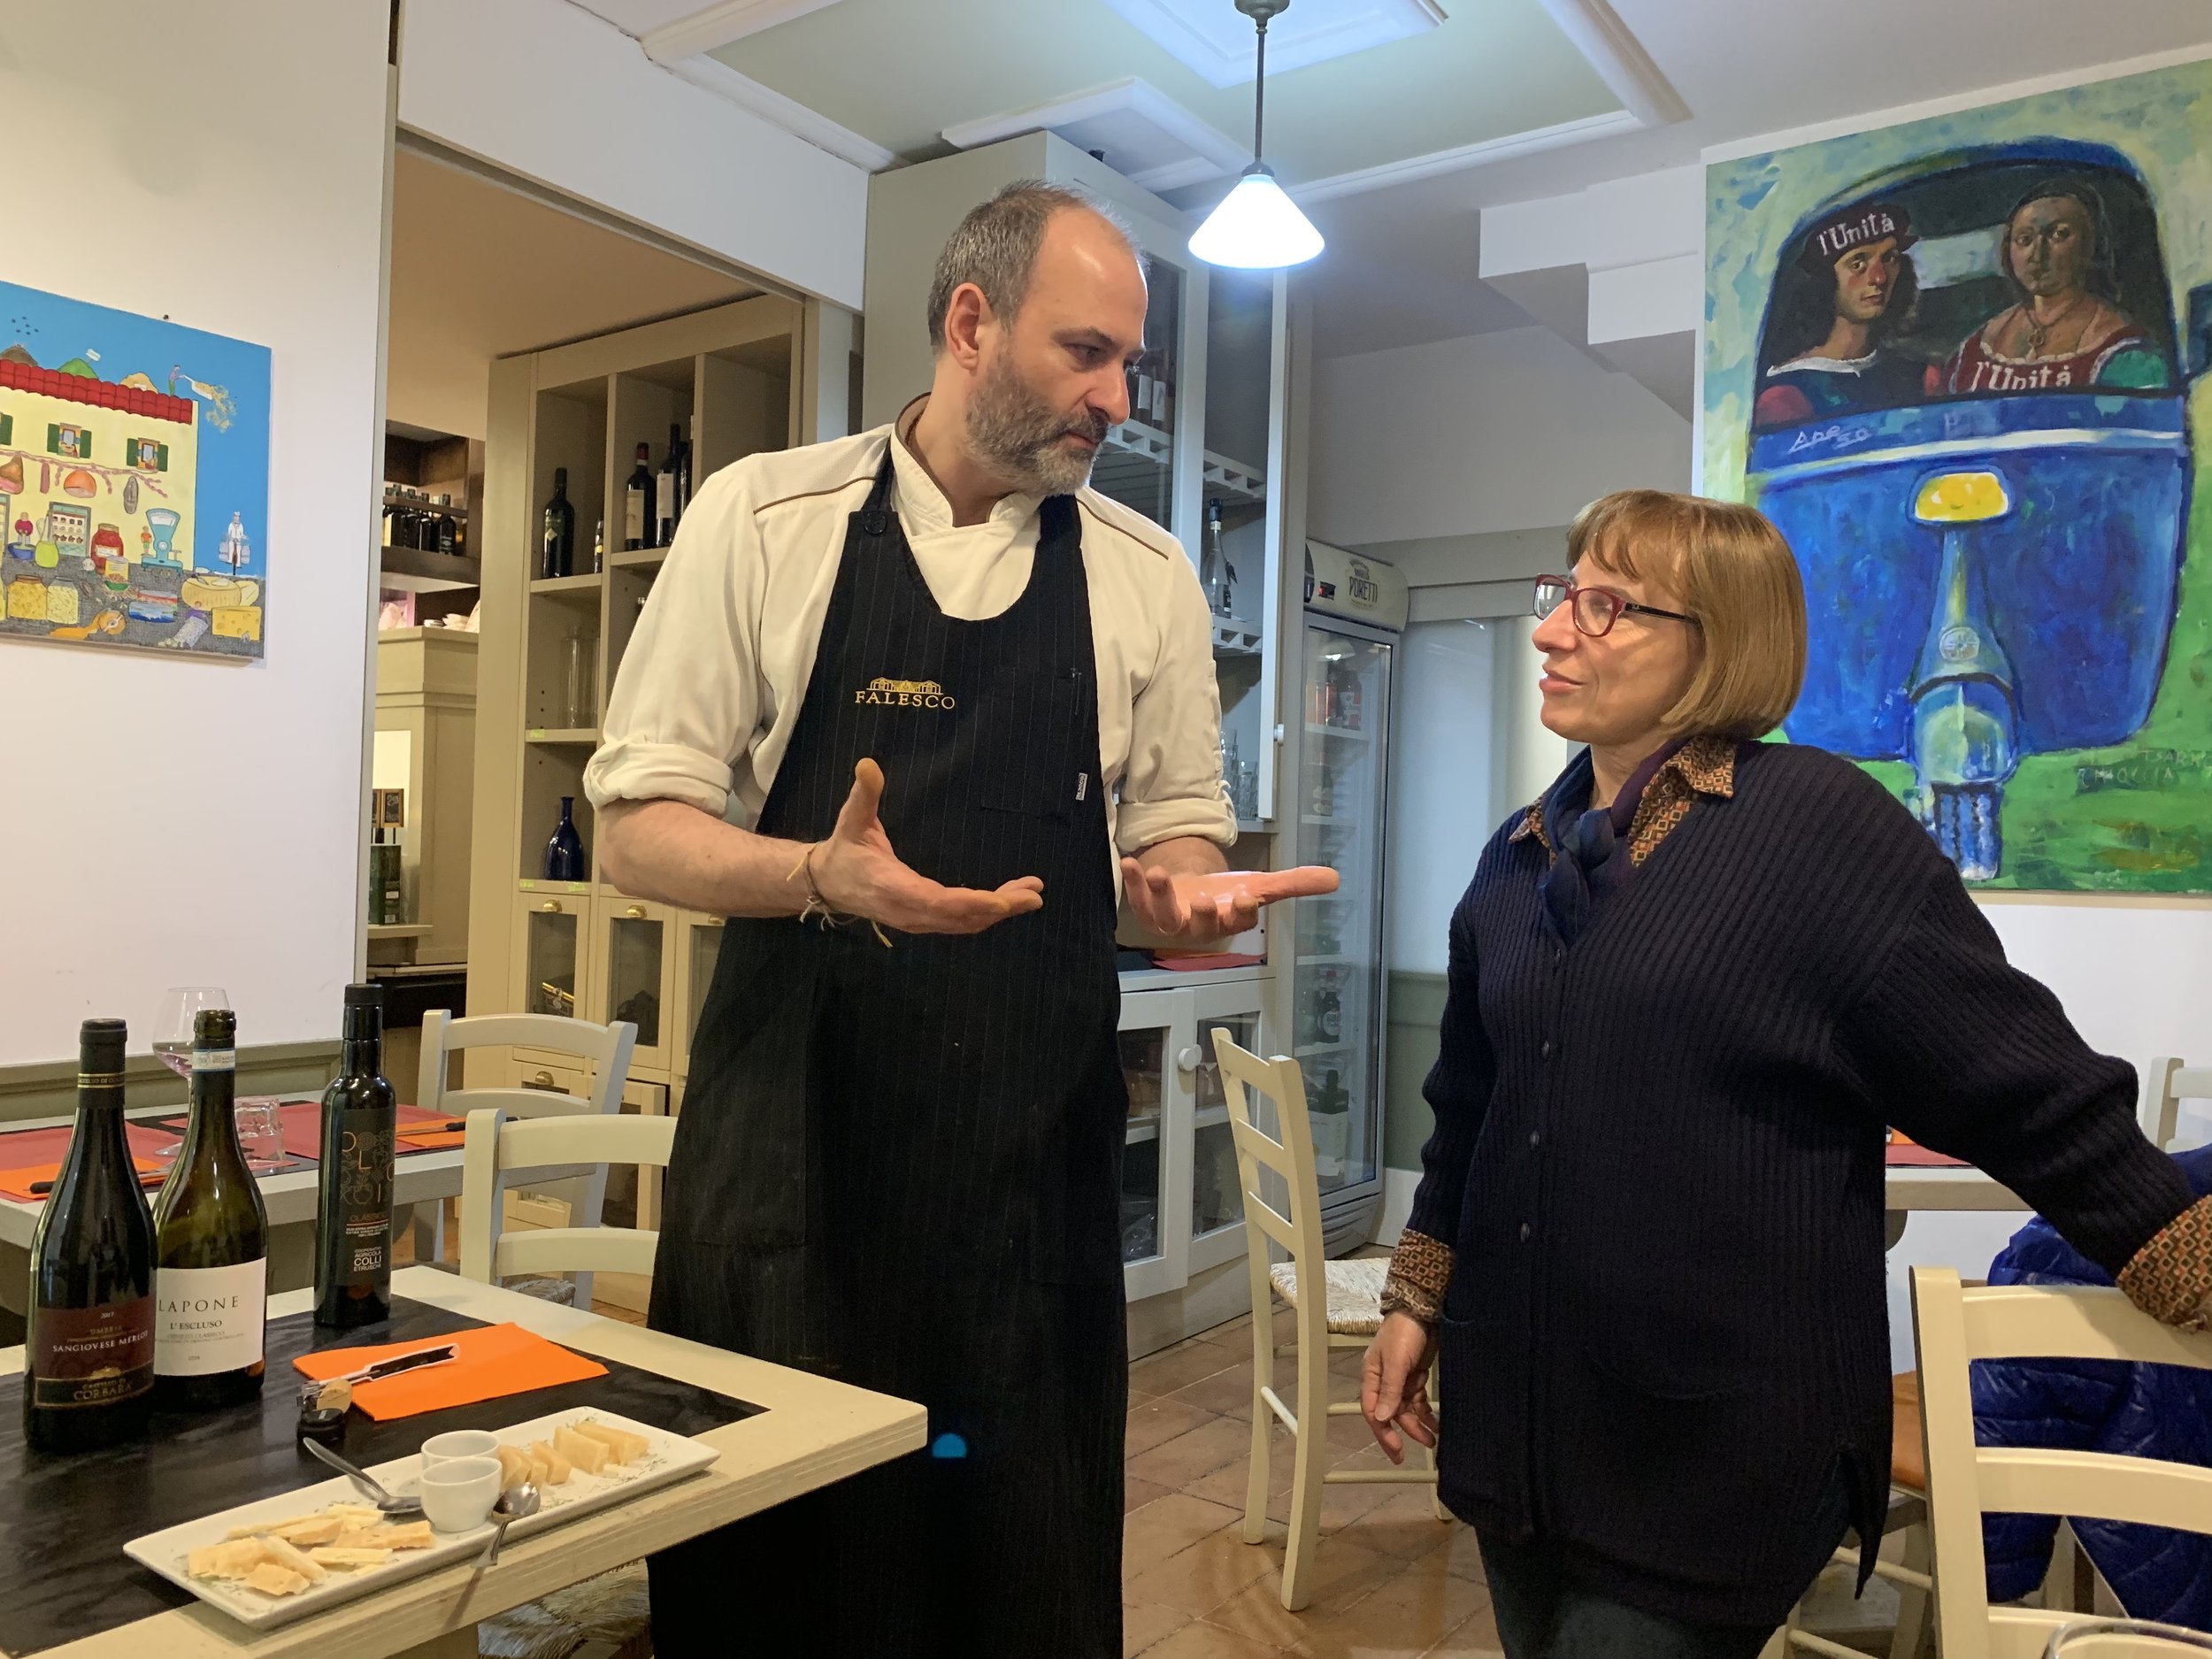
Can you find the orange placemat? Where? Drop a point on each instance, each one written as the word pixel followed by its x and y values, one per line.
pixel 17 1184
pixel 495 1360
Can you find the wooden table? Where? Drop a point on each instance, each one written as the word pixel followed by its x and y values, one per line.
pixel 812 1431
pixel 1908 1188
pixel 418 1178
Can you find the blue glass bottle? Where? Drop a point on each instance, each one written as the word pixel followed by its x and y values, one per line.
pixel 564 852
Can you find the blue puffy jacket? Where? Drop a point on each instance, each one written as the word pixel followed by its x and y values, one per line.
pixel 2163 1411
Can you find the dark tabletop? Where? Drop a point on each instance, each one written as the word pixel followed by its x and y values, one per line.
pixel 63 1520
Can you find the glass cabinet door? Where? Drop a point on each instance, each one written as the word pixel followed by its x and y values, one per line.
pixel 551 955
pixel 702 950
pixel 1217 1191
pixel 1137 464
pixel 1155 1035
pixel 636 959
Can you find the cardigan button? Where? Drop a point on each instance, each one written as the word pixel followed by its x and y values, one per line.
pixel 1535 1138
pixel 1525 1233
pixel 1547 1050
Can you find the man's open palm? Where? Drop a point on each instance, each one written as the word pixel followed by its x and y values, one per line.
pixel 858 874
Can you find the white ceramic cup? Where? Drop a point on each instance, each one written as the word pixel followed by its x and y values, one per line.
pixel 459 1496
pixel 444 1448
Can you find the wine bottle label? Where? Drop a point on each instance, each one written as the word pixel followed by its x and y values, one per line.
pixel 214 1059
pixel 634 514
pixel 91 1356
pixel 664 495
pixel 365 1194
pixel 208 1319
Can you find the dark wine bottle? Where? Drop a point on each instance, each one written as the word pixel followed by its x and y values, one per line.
pixel 637 495
pixel 211 1244
pixel 558 539
pixel 667 498
pixel 88 1342
pixel 683 480
pixel 353 1197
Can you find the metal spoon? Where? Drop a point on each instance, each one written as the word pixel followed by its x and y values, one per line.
pixel 514 1504
pixel 367 1482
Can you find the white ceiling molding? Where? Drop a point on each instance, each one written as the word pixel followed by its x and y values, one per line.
pixel 1146 136
pixel 1214 39
pixel 1620 59
pixel 795 118
pixel 719 25
pixel 1587 130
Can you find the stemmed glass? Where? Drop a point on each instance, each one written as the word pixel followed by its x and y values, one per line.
pixel 180 1005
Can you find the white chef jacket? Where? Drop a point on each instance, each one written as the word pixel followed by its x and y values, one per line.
pixel 710 688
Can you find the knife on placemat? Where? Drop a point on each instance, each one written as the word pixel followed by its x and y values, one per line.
pixel 399 1363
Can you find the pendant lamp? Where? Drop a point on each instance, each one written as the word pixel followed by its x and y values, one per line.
pixel 1257 226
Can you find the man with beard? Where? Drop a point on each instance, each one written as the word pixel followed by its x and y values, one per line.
pixel 895 703
pixel 1853 289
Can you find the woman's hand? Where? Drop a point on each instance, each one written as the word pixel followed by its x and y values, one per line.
pixel 1394 1385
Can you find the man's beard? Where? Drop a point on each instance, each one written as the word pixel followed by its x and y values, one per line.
pixel 1016 436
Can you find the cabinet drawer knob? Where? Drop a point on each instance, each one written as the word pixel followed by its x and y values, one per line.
pixel 551 907
pixel 1188 1059
pixel 635 912
pixel 544 1080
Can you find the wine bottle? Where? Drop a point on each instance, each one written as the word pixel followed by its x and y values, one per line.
pixel 211 1244
pixel 88 1338
pixel 683 482
pixel 353 1197
pixel 446 528
pixel 558 556
pixel 1218 579
pixel 667 502
pixel 636 493
pixel 564 848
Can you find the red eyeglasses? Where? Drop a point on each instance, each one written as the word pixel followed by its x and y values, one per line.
pixel 1595 609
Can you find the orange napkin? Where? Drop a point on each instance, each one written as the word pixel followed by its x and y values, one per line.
pixel 494 1360
pixel 425 1139
pixel 17 1184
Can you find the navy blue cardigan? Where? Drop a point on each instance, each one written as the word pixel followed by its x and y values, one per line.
pixel 1658 1155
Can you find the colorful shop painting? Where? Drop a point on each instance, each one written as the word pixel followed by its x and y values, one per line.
pixel 134 480
pixel 1961 363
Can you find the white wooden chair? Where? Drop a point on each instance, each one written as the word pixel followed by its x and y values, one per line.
pixel 1345 1314
pixel 605 1049
pixel 2166 1084
pixel 496 1146
pixel 2128 1639
pixel 1955 1325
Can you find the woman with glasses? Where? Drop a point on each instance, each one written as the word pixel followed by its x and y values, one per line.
pixel 1690 987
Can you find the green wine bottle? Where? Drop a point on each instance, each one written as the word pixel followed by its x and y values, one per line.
pixel 210 1243
pixel 88 1342
pixel 353 1197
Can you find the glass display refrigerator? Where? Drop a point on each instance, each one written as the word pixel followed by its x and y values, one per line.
pixel 1355 611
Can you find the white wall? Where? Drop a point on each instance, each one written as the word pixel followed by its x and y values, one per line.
pixel 1493 432
pixel 177 821
pixel 548 91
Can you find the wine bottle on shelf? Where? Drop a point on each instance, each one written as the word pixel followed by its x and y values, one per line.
pixel 353 1181
pixel 683 480
pixel 211 1244
pixel 1217 594
pixel 446 535
pixel 558 556
pixel 88 1324
pixel 564 848
pixel 667 504
pixel 637 495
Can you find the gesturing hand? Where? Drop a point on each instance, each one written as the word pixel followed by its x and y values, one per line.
pixel 1394 1385
pixel 858 874
pixel 1217 903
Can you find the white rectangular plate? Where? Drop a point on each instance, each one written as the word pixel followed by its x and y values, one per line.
pixel 668 1458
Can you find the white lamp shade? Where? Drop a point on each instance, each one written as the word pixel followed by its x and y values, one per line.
pixel 1257 228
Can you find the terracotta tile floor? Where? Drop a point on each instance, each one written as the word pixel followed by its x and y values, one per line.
pixel 1393 1582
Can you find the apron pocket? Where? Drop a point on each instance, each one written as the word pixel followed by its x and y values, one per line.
pixel 1027 741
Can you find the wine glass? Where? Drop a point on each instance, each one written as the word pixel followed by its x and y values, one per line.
pixel 180 1005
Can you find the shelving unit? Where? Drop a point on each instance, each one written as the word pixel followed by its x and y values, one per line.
pixel 736 380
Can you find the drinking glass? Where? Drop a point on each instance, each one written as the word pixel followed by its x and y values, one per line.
pixel 581 676
pixel 260 1129
pixel 173 1028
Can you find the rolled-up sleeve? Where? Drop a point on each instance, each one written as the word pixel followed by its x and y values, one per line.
pixel 1172 787
pixel 687 697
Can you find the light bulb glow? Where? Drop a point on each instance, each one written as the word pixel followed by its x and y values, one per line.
pixel 1257 228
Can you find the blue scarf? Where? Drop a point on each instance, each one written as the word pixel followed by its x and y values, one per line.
pixel 1591 859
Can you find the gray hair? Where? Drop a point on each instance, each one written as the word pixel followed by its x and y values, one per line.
pixel 996 247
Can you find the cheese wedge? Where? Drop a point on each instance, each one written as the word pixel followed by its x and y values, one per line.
pixel 331 1555
pixel 514 1466
pixel 557 1468
pixel 360 1537
pixel 628 1448
pixel 232 1560
pixel 298 1560
pixel 582 1450
pixel 414 1535
pixel 357 1514
pixel 309 1529
pixel 272 1580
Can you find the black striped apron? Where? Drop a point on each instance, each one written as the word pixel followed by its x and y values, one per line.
pixel 901 1167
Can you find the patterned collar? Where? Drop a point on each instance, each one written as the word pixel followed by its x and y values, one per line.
pixel 1703 766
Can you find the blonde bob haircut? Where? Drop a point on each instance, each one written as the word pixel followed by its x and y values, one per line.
pixel 1727 566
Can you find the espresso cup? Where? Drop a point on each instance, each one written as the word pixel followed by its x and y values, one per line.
pixel 446 1449
pixel 458 1496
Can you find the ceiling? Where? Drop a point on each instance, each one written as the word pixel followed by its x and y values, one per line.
pixel 900 73
pixel 480 271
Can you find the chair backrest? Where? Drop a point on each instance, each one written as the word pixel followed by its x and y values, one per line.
pixel 1290 1159
pixel 1955 1325
pixel 497 1145
pixel 606 1048
pixel 2166 1084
